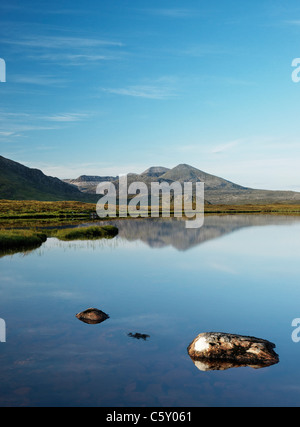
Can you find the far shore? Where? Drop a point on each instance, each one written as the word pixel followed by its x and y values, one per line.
pixel 77 211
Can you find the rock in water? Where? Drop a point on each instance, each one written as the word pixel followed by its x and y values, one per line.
pixel 92 316
pixel 239 349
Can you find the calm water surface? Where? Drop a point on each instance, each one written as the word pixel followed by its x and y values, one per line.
pixel 237 274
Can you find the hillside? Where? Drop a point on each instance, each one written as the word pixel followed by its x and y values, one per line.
pixel 18 182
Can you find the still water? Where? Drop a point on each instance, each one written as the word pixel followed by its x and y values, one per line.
pixel 159 280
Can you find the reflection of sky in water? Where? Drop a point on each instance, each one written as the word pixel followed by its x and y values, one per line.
pixel 241 277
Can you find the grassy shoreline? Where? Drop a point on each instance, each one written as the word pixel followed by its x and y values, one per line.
pixel 71 211
pixel 18 240
pixel 23 223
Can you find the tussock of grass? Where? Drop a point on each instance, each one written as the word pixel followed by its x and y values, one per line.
pixel 89 233
pixel 20 239
pixel 13 241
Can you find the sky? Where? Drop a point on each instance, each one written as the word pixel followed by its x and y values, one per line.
pixel 105 87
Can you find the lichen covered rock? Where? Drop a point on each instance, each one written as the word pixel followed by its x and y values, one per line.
pixel 239 349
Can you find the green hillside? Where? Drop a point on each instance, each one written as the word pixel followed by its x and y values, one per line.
pixel 18 182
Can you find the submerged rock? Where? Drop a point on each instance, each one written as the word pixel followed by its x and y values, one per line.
pixel 92 316
pixel 139 336
pixel 214 349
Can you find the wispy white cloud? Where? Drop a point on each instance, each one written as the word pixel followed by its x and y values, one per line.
pixel 293 22
pixel 150 92
pixel 172 12
pixel 164 87
pixel 67 117
pixel 227 146
pixel 38 80
pixel 14 125
pixel 60 42
pixel 66 50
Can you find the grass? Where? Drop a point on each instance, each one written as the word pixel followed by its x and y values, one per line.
pixel 12 241
pixel 20 239
pixel 87 233
pixel 275 208
pixel 63 211
pixel 12 209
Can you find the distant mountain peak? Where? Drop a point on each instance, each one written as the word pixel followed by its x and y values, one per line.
pixel 155 171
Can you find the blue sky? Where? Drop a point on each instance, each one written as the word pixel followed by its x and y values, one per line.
pixel 115 86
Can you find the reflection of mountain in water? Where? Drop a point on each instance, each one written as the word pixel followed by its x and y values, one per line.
pixel 159 233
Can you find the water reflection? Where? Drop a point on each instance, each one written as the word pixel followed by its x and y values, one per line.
pixel 222 365
pixel 160 233
pixel 139 336
pixel 51 358
pixel 167 232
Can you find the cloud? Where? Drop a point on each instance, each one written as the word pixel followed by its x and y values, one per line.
pixel 162 88
pixel 293 22
pixel 59 42
pixel 172 13
pixel 64 50
pixel 14 125
pixel 227 146
pixel 38 80
pixel 68 117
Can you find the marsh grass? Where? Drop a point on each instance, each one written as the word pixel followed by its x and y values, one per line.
pixel 14 209
pixel 86 233
pixel 13 241
pixel 20 239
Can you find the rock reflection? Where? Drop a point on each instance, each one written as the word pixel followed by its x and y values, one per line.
pixel 139 336
pixel 222 365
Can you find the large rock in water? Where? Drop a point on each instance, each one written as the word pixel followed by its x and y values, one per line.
pixel 92 316
pixel 212 347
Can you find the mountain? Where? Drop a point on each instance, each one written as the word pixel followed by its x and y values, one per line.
pixel 155 171
pixel 217 190
pixel 18 182
pixel 185 173
pixel 88 183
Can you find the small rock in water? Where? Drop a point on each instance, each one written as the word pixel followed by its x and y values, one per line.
pixel 139 336
pixel 92 316
pixel 214 349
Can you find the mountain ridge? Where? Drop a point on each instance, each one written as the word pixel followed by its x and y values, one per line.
pixel 217 190
pixel 18 182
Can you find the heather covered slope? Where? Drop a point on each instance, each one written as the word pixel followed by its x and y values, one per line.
pixel 18 182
